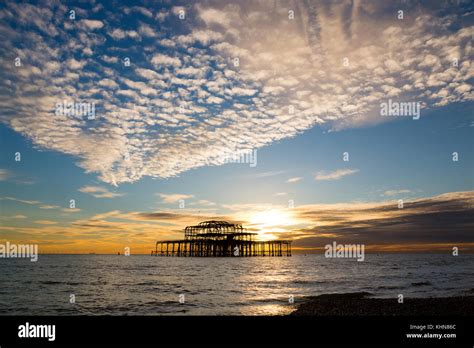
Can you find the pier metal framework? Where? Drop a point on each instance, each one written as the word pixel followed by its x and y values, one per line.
pixel 220 239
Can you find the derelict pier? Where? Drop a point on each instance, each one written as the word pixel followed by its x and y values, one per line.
pixel 220 239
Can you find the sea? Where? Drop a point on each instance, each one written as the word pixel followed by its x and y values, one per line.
pixel 150 285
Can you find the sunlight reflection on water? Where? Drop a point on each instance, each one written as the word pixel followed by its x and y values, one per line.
pixel 145 285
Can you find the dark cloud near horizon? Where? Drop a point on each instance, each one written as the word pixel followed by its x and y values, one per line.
pixel 442 219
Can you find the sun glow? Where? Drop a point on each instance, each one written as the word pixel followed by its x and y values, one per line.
pixel 271 220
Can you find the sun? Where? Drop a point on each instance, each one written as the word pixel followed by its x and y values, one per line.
pixel 271 220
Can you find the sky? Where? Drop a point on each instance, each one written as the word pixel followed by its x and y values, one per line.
pixel 182 93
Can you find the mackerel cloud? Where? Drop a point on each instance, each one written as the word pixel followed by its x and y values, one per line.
pixel 227 77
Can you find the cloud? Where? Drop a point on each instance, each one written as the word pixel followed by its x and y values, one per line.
pixel 266 174
pixel 17 216
pixel 395 192
pixel 447 218
pixel 107 232
pixel 75 64
pixel 4 174
pixel 45 222
pixel 119 34
pixel 203 202
pixel 173 197
pixel 109 59
pixel 177 10
pixel 24 201
pixel 295 179
pixel 99 192
pixel 161 16
pixel 49 206
pixel 7 175
pixel 428 223
pixel 70 210
pixel 147 31
pixel 161 59
pixel 40 204
pixel 25 182
pixel 148 74
pixel 190 71
pixel 173 218
pixel 214 100
pixel 90 24
pixel 139 9
pixel 214 16
pixel 335 175
pixel 108 83
pixel 241 66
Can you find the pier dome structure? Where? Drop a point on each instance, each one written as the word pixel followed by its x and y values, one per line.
pixel 218 230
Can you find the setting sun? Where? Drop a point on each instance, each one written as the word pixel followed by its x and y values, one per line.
pixel 271 220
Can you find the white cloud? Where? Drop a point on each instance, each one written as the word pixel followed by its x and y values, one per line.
pixel 4 174
pixel 164 124
pixel 75 64
pixel 108 83
pixel 173 197
pixel 148 74
pixel 109 59
pixel 203 202
pixel 211 15
pixel 99 192
pixel 239 91
pixel 119 34
pixel 395 192
pixel 70 210
pixel 143 10
pixel 49 206
pixel 335 175
pixel 177 10
pixel 204 37
pixel 90 24
pixel 392 65
pixel 214 100
pixel 162 59
pixel 24 201
pixel 146 30
pixel 161 16
pixel 295 179
pixel 190 71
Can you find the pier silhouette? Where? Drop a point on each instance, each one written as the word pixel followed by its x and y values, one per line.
pixel 220 239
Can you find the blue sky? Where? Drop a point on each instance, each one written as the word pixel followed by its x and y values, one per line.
pixel 183 105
